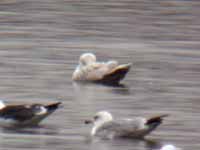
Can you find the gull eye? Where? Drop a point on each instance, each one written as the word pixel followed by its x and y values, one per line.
pixel 96 117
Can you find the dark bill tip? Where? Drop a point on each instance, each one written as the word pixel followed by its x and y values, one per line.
pixel 88 121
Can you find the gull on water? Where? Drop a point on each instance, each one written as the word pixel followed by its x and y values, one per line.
pixel 105 126
pixel 169 147
pixel 25 115
pixel 103 72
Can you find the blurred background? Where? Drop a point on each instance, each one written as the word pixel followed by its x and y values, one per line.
pixel 40 44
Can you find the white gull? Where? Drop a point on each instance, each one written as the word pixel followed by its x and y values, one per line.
pixel 104 72
pixel 105 126
pixel 169 147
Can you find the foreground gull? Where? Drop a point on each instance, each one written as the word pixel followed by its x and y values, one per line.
pixel 169 147
pixel 103 72
pixel 25 115
pixel 105 126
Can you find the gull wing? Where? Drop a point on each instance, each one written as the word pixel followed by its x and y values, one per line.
pixel 122 128
pixel 17 112
pixel 116 74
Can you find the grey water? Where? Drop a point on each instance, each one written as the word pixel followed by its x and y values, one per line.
pixel 40 44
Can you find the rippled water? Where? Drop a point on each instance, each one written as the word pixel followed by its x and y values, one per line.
pixel 40 43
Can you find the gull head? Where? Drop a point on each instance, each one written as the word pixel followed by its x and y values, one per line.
pixel 87 58
pixel 2 104
pixel 100 118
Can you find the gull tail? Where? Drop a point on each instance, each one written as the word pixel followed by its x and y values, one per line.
pixel 153 122
pixel 117 74
pixel 53 106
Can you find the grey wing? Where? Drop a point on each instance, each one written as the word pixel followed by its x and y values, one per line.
pixel 134 127
pixel 120 126
pixel 124 128
pixel 95 71
pixel 131 125
pixel 99 70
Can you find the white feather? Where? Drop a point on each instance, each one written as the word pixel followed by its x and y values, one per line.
pixel 2 104
pixel 169 147
pixel 42 111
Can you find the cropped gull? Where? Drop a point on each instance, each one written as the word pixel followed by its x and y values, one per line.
pixel 105 126
pixel 25 115
pixel 103 72
pixel 169 147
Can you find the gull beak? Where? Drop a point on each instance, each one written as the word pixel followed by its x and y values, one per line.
pixel 88 121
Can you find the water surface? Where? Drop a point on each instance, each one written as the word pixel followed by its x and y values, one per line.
pixel 40 43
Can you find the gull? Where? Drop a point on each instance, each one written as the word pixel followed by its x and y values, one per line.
pixel 169 147
pixel 25 115
pixel 103 72
pixel 104 126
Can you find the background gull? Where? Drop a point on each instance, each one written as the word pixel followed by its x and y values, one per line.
pixel 169 147
pixel 105 126
pixel 25 115
pixel 104 72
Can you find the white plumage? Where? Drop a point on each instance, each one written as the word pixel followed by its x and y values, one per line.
pixel 169 147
